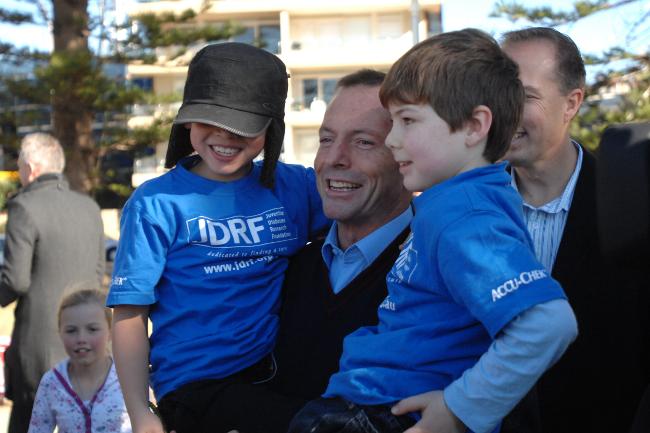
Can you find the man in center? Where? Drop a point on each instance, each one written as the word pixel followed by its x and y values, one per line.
pixel 335 284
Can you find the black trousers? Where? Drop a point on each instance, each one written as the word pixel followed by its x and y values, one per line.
pixel 239 402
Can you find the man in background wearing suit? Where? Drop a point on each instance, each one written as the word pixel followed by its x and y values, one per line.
pixel 54 241
pixel 596 386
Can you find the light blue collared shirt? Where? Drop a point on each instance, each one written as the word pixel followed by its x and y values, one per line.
pixel 344 266
pixel 546 223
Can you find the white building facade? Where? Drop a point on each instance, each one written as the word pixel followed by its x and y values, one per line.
pixel 318 40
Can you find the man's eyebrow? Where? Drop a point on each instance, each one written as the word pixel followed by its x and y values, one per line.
pixel 364 131
pixel 354 131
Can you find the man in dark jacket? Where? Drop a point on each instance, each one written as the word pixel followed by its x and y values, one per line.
pixel 335 285
pixel 54 243
pixel 597 384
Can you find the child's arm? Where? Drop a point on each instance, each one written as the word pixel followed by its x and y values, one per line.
pixel 131 353
pixel 42 420
pixel 486 393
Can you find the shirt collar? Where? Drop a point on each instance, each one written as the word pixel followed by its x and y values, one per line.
pixel 371 245
pixel 563 202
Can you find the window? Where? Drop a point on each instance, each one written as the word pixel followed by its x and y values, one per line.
pixel 309 91
pixel 144 83
pixel 269 36
pixel 317 88
pixel 266 36
pixel 246 37
pixel 390 26
pixel 305 145
pixel 330 33
pixel 434 23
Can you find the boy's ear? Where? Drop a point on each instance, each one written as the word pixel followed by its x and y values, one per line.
pixel 478 126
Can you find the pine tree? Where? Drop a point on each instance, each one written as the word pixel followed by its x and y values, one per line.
pixel 73 78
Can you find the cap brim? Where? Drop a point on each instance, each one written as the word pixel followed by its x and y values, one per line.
pixel 236 121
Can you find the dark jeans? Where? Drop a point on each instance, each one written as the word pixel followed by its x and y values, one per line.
pixel 336 415
pixel 220 405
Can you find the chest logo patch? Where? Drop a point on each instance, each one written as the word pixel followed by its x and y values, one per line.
pixel 265 228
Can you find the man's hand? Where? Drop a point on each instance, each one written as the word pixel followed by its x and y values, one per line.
pixel 436 416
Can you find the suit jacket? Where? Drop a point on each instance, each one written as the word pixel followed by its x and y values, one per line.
pixel 597 384
pixel 54 242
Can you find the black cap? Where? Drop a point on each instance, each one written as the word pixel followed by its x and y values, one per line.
pixel 239 88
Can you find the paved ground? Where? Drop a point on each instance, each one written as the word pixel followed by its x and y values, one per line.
pixel 4 416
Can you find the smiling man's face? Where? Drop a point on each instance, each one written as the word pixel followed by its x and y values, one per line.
pixel 358 179
pixel 547 111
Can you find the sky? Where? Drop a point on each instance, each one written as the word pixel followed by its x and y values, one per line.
pixel 593 34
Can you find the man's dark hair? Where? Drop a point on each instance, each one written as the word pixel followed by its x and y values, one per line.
pixel 362 77
pixel 569 65
pixel 455 72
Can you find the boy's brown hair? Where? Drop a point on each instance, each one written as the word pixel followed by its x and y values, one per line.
pixel 455 72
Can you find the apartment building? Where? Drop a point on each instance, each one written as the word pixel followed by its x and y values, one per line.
pixel 318 40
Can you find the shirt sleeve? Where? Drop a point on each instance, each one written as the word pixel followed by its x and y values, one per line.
pixel 488 265
pixel 20 239
pixel 520 354
pixel 43 420
pixel 140 259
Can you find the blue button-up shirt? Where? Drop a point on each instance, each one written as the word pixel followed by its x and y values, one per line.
pixel 546 223
pixel 344 266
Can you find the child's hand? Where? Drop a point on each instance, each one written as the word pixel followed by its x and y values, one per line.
pixel 147 422
pixel 436 416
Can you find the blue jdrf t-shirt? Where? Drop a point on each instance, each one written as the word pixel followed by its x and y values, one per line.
pixel 208 258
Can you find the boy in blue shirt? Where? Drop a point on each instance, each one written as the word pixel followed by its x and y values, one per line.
pixel 471 319
pixel 204 247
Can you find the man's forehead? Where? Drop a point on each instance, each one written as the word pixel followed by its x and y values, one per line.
pixel 362 129
pixel 356 109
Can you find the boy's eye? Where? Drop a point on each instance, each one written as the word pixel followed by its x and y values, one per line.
pixel 325 140
pixel 407 120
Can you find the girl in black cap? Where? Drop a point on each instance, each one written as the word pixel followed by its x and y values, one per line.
pixel 204 247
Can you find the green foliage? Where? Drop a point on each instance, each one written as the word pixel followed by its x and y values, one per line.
pixel 8 186
pixel 15 17
pixel 168 30
pixel 546 16
pixel 80 75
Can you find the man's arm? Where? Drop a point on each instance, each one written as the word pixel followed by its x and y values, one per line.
pixel 131 352
pixel 19 251
pixel 486 393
